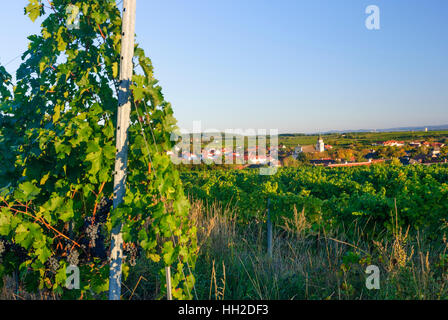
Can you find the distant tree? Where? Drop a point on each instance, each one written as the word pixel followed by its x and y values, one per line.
pixel 396 162
pixel 319 155
pixel 444 151
pixel 423 150
pixel 303 158
pixel 345 154
pixel 397 152
pixel 359 156
pixel 291 162
pixel 382 152
pixel 332 153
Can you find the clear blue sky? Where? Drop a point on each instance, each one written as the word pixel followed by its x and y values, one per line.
pixel 292 65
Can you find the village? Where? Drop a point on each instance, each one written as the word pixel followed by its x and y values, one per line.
pixel 410 152
pixel 404 152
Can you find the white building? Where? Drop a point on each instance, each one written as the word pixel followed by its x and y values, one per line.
pixel 393 143
pixel 320 146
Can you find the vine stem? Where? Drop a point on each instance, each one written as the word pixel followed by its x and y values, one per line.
pixel 41 220
pixel 102 35
pixel 96 202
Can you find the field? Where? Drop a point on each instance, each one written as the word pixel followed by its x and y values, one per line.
pixel 364 138
pixel 331 197
pixel 329 225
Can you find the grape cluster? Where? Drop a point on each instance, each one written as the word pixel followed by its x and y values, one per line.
pixel 15 252
pixel 73 258
pixel 19 253
pixel 92 234
pixel 132 254
pixel 103 209
pixel 94 240
pixel 53 264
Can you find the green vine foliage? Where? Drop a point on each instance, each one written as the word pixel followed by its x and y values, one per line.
pixel 57 142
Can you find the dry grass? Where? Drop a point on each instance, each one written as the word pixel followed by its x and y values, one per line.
pixel 313 265
pixel 325 264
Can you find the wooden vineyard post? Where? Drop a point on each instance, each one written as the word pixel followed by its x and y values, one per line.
pixel 124 110
pixel 169 295
pixel 269 231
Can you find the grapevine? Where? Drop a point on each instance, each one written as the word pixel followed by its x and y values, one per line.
pixel 57 139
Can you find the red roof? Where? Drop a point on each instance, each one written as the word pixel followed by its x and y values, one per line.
pixel 390 142
pixel 355 164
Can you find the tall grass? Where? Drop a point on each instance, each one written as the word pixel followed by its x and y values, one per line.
pixel 325 264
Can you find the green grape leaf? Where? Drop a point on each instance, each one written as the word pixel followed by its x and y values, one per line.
pixel 29 190
pixel 33 9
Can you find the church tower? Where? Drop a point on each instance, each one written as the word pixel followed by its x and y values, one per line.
pixel 320 146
